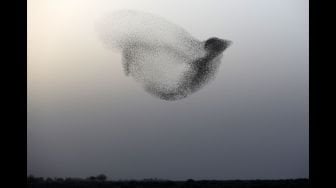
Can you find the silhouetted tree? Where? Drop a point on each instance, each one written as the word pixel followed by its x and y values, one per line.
pixel 190 181
pixel 91 178
pixel 101 177
pixel 30 179
pixel 49 180
pixel 59 180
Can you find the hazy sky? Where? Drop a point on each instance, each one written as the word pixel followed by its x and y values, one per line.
pixel 86 117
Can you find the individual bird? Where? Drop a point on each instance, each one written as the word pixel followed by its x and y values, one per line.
pixel 163 57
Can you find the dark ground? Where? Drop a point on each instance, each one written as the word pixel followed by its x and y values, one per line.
pixel 101 182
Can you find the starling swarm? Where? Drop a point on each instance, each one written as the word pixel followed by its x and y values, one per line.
pixel 163 57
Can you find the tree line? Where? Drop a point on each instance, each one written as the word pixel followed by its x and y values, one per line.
pixel 101 181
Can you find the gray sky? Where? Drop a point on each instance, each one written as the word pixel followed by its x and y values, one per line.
pixel 86 117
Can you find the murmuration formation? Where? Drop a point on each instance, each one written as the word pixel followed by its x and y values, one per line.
pixel 163 57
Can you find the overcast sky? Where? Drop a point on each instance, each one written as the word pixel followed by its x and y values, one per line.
pixel 86 117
